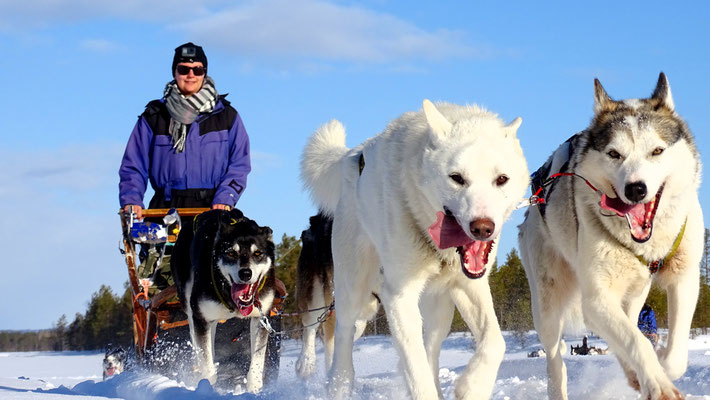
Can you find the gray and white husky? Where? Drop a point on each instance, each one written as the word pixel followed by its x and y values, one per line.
pixel 415 212
pixel 598 245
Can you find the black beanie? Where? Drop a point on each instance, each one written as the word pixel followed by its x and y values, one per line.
pixel 188 52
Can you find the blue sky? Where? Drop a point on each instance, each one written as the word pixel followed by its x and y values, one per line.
pixel 78 73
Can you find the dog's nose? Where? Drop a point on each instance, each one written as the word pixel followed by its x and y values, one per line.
pixel 635 191
pixel 245 274
pixel 482 228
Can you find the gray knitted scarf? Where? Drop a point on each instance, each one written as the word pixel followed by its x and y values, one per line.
pixel 183 110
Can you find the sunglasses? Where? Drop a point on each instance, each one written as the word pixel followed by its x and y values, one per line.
pixel 184 70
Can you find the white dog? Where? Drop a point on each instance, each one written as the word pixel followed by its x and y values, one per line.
pixel 416 210
pixel 637 218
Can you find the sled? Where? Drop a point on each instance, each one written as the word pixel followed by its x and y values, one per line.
pixel 159 324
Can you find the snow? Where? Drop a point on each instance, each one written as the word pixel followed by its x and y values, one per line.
pixel 77 375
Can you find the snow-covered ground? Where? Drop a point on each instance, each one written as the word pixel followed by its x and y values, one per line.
pixel 77 375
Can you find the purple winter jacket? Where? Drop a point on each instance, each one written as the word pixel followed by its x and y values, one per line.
pixel 216 156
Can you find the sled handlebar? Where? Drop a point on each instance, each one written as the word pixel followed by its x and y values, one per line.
pixel 161 212
pixel 184 212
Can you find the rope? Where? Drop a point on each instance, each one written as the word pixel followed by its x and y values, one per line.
pixel 536 199
pixel 278 260
pixel 329 308
pixel 552 177
pixel 135 300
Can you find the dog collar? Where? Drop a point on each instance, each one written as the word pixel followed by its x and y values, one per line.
pixel 655 266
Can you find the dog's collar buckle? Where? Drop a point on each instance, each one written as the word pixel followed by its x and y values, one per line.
pixel 654 266
pixel 264 321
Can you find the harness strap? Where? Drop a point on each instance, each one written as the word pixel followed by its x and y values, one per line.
pixel 655 266
pixel 217 291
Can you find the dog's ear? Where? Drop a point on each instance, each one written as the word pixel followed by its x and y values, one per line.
pixel 228 220
pixel 437 122
pixel 236 213
pixel 662 93
pixel 512 128
pixel 602 101
pixel 265 230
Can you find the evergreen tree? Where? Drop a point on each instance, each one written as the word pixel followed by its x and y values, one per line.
pixel 701 318
pixel 511 297
pixel 287 253
pixel 705 261
pixel 658 300
pixel 59 332
pixel 75 337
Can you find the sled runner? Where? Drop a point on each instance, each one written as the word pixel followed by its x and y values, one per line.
pixel 159 323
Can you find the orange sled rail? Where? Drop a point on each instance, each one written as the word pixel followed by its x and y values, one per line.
pixel 149 309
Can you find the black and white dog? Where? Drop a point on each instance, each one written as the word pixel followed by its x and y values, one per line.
pixel 115 361
pixel 223 266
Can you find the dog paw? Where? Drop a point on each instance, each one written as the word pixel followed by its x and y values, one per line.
pixel 305 366
pixel 466 389
pixel 674 366
pixel 633 379
pixel 254 384
pixel 339 388
pixel 662 389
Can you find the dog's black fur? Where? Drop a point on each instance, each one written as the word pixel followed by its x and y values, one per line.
pixel 227 238
pixel 316 259
pixel 314 292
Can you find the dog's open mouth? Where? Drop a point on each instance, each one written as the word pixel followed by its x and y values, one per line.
pixel 243 295
pixel 110 371
pixel 639 216
pixel 446 233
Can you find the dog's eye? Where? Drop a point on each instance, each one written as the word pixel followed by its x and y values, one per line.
pixel 614 154
pixel 232 253
pixel 258 253
pixel 657 151
pixel 502 180
pixel 456 177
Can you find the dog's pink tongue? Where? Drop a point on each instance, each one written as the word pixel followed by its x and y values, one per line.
pixel 237 290
pixel 616 205
pixel 110 371
pixel 474 257
pixel 446 232
pixel 637 212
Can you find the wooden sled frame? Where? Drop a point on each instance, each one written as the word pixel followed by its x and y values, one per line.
pixel 148 310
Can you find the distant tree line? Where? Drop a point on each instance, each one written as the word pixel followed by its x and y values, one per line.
pixel 108 318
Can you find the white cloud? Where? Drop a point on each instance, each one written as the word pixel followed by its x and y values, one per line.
pixel 99 45
pixel 29 14
pixel 263 161
pixel 283 31
pixel 306 29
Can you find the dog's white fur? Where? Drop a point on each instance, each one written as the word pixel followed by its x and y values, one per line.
pixel 380 240
pixel 577 254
